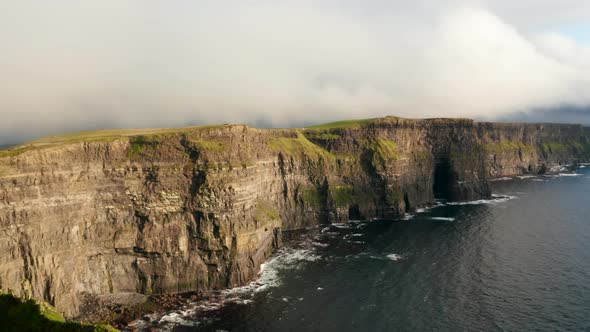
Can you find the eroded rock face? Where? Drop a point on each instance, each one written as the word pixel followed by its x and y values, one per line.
pixel 203 208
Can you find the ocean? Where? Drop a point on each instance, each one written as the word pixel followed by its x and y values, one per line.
pixel 517 262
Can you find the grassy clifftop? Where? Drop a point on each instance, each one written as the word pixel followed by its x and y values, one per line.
pixel 30 315
pixel 346 124
pixel 99 136
pixel 290 141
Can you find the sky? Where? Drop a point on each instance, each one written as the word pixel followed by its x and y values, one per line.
pixel 69 65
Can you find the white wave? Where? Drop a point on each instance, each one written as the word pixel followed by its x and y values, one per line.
pixel 539 180
pixel 341 225
pixel 395 257
pixel 381 257
pixel 502 179
pixel 559 175
pixel 177 318
pixel 408 216
pixel 526 176
pixel 442 218
pixel 437 203
pixel 555 169
pixel 268 277
pixel 495 199
pixel 350 236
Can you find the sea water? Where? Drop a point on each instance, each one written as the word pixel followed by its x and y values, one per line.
pixel 517 262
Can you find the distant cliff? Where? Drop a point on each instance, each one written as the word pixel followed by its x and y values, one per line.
pixel 105 216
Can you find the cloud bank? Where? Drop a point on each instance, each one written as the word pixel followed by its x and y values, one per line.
pixel 71 65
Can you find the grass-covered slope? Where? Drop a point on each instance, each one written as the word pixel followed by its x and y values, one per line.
pixel 29 315
pixel 346 124
pixel 97 136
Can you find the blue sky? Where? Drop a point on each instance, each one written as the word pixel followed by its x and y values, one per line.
pixel 579 32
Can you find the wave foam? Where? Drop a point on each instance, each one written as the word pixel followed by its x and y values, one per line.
pixel 408 216
pixel 341 225
pixel 177 318
pixel 502 179
pixel 395 257
pixel 495 200
pixel 559 175
pixel 442 218
pixel 286 258
pixel 569 174
pixel 558 168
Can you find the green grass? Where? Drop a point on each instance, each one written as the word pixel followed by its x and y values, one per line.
pixel 342 195
pixel 12 152
pixel 555 146
pixel 50 312
pixel 346 124
pixel 320 134
pixel 109 135
pixel 210 145
pixel 506 146
pixel 114 134
pixel 30 315
pixel 141 145
pixel 385 149
pixel 298 145
pixel 559 147
pixel 313 197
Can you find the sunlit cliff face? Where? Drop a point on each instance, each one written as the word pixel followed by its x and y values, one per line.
pixel 69 65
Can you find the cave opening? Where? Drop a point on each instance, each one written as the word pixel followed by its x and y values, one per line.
pixel 442 179
pixel 354 212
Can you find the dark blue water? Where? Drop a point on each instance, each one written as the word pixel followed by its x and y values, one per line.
pixel 510 264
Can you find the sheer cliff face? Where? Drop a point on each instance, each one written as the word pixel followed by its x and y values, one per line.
pixel 515 149
pixel 82 221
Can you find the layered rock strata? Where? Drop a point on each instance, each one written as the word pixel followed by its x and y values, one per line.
pixel 110 215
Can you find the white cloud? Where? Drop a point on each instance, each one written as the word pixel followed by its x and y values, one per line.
pixel 70 64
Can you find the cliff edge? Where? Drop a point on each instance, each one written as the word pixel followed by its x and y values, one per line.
pixel 115 215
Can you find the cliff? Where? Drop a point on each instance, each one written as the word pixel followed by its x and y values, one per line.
pixel 111 216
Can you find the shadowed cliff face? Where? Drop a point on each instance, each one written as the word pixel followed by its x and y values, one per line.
pixel 111 215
